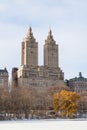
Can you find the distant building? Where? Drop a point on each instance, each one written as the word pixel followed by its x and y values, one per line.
pixel 4 77
pixel 33 75
pixel 14 77
pixel 78 84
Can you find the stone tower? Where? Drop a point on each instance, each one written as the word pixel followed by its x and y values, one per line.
pixel 29 50
pixel 30 74
pixel 50 51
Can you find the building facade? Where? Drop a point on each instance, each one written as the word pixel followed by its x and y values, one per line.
pixel 14 77
pixel 4 78
pixel 78 84
pixel 29 50
pixel 51 52
pixel 33 75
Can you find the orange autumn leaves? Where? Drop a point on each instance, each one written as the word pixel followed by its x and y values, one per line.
pixel 65 103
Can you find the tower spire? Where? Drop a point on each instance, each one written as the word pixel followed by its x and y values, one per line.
pixel 29 33
pixel 30 30
pixel 50 39
pixel 50 35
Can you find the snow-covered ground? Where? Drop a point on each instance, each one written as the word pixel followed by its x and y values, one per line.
pixel 51 124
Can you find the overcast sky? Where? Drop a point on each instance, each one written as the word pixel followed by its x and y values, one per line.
pixel 67 20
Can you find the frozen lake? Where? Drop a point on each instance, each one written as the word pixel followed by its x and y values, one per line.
pixel 44 125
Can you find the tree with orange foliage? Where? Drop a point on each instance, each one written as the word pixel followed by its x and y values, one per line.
pixel 66 103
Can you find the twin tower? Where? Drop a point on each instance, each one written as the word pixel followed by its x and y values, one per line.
pixel 30 51
pixel 30 73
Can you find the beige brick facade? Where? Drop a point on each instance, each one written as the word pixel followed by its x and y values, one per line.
pixel 29 50
pixel 30 74
pixel 50 52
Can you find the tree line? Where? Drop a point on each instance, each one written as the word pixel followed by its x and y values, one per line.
pixel 24 102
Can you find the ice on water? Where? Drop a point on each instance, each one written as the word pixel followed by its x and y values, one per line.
pixel 44 125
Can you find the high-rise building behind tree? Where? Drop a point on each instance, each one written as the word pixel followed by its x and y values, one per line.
pixel 77 84
pixel 30 73
pixel 4 78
